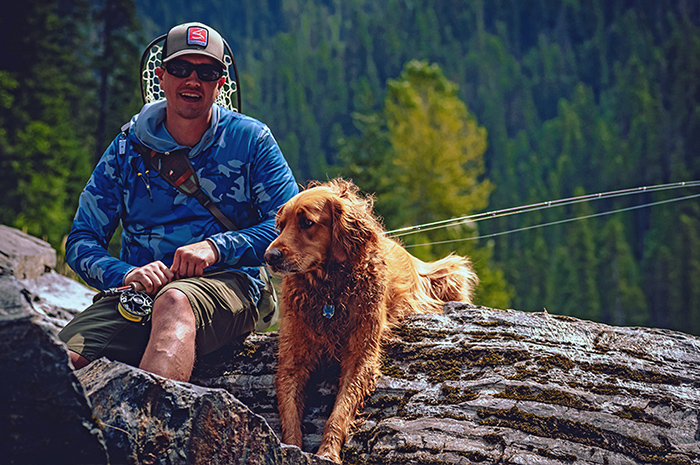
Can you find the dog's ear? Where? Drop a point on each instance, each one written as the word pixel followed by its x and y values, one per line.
pixel 353 227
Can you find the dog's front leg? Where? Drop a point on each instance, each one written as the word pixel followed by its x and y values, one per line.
pixel 359 369
pixel 295 363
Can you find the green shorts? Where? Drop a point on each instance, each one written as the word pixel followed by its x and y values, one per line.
pixel 222 304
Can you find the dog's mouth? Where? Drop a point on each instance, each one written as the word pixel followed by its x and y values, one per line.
pixel 282 269
pixel 289 267
pixel 283 262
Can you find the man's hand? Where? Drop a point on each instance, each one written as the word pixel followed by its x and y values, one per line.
pixel 191 260
pixel 151 277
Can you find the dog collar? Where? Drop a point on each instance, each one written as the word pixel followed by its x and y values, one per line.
pixel 328 311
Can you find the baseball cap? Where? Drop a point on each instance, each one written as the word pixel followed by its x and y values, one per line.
pixel 193 38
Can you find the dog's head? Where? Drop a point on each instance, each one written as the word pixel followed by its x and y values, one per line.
pixel 326 222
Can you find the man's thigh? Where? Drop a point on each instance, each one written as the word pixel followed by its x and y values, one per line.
pixel 222 304
pixel 101 331
pixel 223 308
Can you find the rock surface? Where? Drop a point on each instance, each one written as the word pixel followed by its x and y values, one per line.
pixel 23 255
pixel 46 417
pixel 50 294
pixel 147 419
pixel 57 298
pixel 474 385
pixel 110 413
pixel 479 385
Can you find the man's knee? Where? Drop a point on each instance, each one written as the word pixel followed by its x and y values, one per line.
pixel 173 318
pixel 172 304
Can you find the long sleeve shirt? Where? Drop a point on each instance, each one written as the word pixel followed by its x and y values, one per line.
pixel 240 167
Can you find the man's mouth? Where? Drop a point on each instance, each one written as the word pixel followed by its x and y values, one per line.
pixel 190 96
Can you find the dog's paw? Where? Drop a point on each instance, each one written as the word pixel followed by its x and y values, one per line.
pixel 331 455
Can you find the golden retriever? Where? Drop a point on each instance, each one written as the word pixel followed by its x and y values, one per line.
pixel 345 285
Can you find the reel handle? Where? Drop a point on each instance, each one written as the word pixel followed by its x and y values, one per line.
pixel 113 291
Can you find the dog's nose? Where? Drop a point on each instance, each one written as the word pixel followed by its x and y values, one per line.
pixel 273 256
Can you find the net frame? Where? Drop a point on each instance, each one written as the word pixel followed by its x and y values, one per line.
pixel 229 96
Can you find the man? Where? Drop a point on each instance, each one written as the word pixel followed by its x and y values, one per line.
pixel 205 279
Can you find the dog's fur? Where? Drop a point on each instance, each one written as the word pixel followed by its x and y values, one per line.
pixel 333 251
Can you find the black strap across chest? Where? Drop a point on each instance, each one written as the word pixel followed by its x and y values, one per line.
pixel 175 167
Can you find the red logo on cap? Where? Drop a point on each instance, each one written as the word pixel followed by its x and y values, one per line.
pixel 197 35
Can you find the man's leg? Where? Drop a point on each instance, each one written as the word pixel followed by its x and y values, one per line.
pixel 100 331
pixel 171 348
pixel 188 314
pixel 77 360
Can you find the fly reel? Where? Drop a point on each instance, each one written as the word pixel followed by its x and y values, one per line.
pixel 135 306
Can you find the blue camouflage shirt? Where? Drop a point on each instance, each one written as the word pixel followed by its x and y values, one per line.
pixel 240 167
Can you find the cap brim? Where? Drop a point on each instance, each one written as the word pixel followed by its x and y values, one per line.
pixel 194 52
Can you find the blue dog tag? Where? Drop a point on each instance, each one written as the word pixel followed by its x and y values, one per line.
pixel 328 311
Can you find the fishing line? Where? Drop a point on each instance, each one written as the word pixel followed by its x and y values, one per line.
pixel 568 220
pixel 537 206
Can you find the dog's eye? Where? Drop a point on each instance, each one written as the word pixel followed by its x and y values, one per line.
pixel 305 223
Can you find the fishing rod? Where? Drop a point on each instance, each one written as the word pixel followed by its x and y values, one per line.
pixel 537 206
pixel 568 220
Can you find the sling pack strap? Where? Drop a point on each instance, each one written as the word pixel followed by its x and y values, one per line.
pixel 176 169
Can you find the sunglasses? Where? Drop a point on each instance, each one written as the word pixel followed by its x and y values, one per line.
pixel 205 71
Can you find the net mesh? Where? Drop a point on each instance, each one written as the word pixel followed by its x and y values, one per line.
pixel 153 92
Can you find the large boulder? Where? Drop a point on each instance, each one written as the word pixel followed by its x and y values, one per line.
pixel 57 298
pixel 46 417
pixel 474 385
pixel 480 385
pixel 148 419
pixel 109 412
pixel 31 262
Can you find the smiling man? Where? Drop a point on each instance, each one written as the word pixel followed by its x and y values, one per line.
pixel 202 276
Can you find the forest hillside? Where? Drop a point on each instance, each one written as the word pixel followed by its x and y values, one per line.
pixel 441 109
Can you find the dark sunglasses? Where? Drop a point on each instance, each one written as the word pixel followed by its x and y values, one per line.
pixel 205 71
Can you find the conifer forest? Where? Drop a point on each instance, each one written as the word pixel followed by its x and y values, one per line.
pixel 441 109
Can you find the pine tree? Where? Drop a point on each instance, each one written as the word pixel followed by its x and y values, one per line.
pixel 574 289
pixel 118 66
pixel 437 148
pixel 689 267
pixel 423 157
pixel 622 298
pixel 46 137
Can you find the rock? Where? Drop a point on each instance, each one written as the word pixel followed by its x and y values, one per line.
pixel 479 385
pixel 46 418
pixel 111 412
pixel 30 260
pixel 23 255
pixel 57 297
pixel 474 385
pixel 148 419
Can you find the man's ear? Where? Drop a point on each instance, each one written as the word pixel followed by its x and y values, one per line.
pixel 219 85
pixel 159 72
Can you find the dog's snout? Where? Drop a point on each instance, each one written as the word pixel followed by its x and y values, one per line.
pixel 273 256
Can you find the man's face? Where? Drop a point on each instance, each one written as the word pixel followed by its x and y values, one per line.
pixel 190 97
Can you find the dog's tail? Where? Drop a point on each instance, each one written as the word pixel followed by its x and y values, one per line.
pixel 449 279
